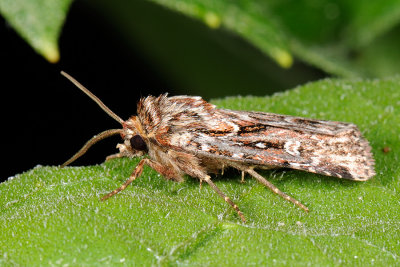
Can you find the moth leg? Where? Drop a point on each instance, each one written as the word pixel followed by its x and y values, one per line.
pixel 168 172
pixel 226 198
pixel 275 189
pixel 135 174
pixel 124 152
pixel 115 156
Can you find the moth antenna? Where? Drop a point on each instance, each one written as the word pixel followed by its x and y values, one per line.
pixel 91 142
pixel 93 97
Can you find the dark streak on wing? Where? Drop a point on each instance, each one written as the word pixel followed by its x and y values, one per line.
pixel 292 122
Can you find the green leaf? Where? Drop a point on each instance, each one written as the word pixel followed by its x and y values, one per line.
pixel 370 19
pixel 191 56
pixel 252 20
pixel 334 36
pixel 39 22
pixel 339 37
pixel 54 216
pixel 322 33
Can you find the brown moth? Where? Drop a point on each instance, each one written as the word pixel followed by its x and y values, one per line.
pixel 187 135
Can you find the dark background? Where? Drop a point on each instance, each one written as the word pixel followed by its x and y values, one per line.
pixel 46 119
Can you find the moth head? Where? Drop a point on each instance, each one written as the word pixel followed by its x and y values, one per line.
pixel 134 143
pixel 135 140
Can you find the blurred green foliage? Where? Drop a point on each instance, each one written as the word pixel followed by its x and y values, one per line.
pixel 39 22
pixel 225 47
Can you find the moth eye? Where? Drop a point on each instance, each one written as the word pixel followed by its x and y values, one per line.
pixel 138 143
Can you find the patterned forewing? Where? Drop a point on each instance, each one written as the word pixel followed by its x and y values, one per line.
pixel 266 139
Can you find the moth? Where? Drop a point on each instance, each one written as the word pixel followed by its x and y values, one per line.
pixel 187 135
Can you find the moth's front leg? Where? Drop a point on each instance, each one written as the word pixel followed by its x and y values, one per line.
pixel 165 171
pixel 115 156
pixel 124 152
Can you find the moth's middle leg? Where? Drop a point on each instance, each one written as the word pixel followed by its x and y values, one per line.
pixel 225 197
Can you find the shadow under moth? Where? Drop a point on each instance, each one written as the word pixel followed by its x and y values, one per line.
pixel 187 135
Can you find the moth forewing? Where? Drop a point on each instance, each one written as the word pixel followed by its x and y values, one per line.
pixel 257 139
pixel 187 135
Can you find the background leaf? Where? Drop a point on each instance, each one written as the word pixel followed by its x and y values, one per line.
pixel 337 37
pixel 356 39
pixel 39 22
pixel 54 216
pixel 325 34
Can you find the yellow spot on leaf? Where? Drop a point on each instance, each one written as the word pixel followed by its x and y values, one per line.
pixel 212 20
pixel 284 59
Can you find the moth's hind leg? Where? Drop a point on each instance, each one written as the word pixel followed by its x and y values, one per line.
pixel 275 189
pixel 225 197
